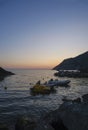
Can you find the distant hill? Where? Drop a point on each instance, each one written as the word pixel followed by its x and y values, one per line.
pixel 4 73
pixel 79 62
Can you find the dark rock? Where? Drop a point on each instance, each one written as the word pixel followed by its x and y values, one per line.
pixel 85 98
pixel 38 82
pixel 74 116
pixel 58 125
pixel 53 119
pixel 1 78
pixel 42 125
pixel 77 63
pixel 71 115
pixel 66 100
pixel 25 123
pixel 4 73
pixel 73 74
pixel 3 127
pixel 77 100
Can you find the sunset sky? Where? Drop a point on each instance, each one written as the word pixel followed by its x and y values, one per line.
pixel 41 33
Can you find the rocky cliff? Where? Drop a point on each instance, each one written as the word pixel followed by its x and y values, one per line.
pixel 4 73
pixel 79 62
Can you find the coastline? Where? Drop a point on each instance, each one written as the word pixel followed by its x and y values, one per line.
pixel 28 121
pixel 72 114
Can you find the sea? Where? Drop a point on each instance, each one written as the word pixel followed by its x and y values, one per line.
pixel 17 100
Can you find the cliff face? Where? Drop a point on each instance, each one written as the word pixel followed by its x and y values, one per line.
pixel 77 63
pixel 4 73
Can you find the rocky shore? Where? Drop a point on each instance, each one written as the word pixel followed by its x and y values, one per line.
pixel 72 74
pixel 79 62
pixel 71 115
pixel 76 67
pixel 4 73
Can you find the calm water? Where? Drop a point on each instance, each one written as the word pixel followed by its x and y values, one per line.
pixel 17 100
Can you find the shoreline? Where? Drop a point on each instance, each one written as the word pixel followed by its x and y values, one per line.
pixel 64 117
pixel 71 74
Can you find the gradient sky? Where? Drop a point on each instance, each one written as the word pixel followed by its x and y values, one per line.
pixel 41 33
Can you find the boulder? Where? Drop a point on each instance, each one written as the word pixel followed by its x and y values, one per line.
pixel 25 123
pixel 71 115
pixel 77 100
pixel 54 120
pixel 42 125
pixel 85 98
pixel 3 127
pixel 74 115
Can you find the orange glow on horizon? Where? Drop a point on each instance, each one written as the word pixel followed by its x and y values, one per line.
pixel 48 65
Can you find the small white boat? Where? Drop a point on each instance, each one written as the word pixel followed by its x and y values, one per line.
pixel 58 82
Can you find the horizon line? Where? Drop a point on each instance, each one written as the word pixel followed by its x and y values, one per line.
pixel 28 68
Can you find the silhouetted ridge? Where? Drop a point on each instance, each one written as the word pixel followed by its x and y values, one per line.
pixel 4 73
pixel 79 62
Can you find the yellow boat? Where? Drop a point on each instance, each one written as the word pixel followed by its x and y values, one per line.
pixel 40 89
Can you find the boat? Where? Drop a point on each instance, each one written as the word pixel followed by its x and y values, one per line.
pixel 57 82
pixel 41 89
pixel 48 87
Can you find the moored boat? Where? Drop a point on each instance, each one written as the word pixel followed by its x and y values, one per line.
pixel 58 82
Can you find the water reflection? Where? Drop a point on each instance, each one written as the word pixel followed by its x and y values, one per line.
pixel 17 99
